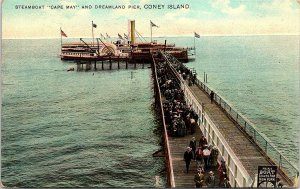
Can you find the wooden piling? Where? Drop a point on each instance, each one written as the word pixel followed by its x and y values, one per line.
pixel 143 63
pixel 126 63
pixel 119 62
pixel 102 65
pixel 88 66
pixel 95 65
pixel 110 64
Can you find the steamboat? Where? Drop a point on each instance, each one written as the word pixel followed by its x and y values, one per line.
pixel 123 48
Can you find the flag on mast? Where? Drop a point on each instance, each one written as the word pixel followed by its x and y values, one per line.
pixel 94 25
pixel 197 35
pixel 120 36
pixel 125 36
pixel 62 33
pixel 152 24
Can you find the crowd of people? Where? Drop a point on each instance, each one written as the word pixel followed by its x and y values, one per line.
pixel 180 118
pixel 206 157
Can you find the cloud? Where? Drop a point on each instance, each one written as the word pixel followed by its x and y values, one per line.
pixel 279 6
pixel 224 7
pixel 274 17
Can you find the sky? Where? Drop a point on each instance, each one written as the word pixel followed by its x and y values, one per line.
pixel 206 17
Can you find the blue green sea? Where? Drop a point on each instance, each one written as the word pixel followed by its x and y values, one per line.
pixel 98 128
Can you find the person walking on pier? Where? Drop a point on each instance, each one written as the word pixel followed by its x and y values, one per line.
pixel 188 156
pixel 212 94
pixel 223 178
pixel 224 181
pixel 199 158
pixel 193 126
pixel 193 145
pixel 206 154
pixel 202 141
pixel 199 178
pixel 210 180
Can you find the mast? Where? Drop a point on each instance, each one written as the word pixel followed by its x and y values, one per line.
pixel 93 31
pixel 194 45
pixel 151 31
pixel 60 41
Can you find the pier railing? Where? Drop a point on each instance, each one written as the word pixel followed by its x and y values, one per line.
pixel 169 166
pixel 244 124
pixel 238 176
pixel 263 142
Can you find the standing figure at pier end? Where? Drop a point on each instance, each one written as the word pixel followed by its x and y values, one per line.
pixel 212 95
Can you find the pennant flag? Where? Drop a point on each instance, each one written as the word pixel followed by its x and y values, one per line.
pixel 197 35
pixel 94 25
pixel 152 24
pixel 125 36
pixel 107 36
pixel 62 33
pixel 120 36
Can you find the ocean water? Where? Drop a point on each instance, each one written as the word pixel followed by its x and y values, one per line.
pixel 75 129
pixel 259 77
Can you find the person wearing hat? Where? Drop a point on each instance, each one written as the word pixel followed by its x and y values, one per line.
pixel 224 180
pixel 199 178
pixel 210 180
pixel 206 155
pixel 193 145
pixel 188 156
pixel 202 141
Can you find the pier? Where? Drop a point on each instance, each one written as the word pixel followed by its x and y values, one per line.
pixel 238 143
pixel 109 64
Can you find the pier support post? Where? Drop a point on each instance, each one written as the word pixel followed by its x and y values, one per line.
pixel 78 66
pixel 143 63
pixel 102 65
pixel 95 65
pixel 126 63
pixel 88 66
pixel 118 62
pixel 110 64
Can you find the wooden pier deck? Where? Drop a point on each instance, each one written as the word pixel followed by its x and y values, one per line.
pixel 242 147
pixel 246 155
pixel 177 148
pixel 247 152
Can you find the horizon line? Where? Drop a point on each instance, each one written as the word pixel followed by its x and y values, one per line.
pixel 207 35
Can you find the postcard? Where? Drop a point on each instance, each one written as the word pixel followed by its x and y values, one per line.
pixel 150 93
